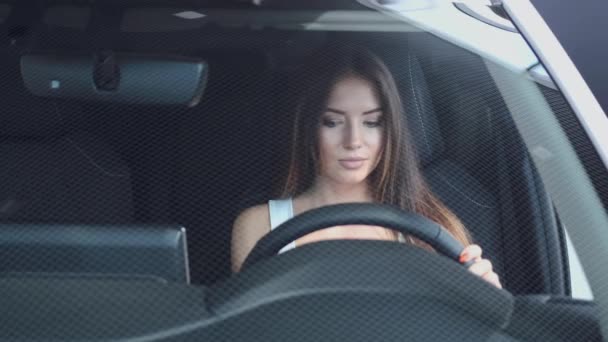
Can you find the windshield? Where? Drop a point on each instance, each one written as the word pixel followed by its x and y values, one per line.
pixel 163 143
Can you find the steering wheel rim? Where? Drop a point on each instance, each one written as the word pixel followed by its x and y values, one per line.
pixel 371 214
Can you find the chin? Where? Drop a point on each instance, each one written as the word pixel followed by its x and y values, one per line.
pixel 352 179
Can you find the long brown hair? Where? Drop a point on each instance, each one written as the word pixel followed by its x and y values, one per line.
pixel 397 180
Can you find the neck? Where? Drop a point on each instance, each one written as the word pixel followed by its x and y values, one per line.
pixel 325 192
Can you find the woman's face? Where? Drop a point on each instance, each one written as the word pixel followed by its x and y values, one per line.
pixel 351 132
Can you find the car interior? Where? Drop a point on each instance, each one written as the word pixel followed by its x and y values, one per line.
pixel 112 119
pixel 154 253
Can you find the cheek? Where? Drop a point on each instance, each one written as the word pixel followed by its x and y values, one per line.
pixel 325 148
pixel 375 142
pixel 328 140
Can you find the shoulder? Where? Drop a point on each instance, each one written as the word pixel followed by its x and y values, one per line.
pixel 256 217
pixel 248 228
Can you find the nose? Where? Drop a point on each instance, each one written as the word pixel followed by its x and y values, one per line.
pixel 353 139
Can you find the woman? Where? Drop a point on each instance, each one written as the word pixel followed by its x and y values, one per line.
pixel 350 144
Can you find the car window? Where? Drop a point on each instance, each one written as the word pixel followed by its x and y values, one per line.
pixel 183 126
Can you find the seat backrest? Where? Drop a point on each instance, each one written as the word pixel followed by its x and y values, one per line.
pixel 458 189
pixel 474 160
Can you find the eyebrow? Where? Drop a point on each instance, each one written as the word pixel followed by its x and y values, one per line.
pixel 341 112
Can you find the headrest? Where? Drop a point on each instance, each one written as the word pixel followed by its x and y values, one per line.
pixel 419 110
pixel 114 77
pixel 418 106
pixel 421 115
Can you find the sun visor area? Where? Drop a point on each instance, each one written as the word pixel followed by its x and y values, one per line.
pixel 114 77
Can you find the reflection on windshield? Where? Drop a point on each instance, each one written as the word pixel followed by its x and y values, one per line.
pixel 446 21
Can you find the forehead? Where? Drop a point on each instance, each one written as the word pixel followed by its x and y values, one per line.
pixel 353 93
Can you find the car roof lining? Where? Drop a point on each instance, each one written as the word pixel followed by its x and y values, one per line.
pixel 177 18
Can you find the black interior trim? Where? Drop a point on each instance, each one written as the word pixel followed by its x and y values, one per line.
pixel 158 252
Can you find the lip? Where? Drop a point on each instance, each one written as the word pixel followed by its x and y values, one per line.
pixel 352 163
pixel 352 159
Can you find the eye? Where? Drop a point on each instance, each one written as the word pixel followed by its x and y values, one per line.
pixel 373 123
pixel 330 123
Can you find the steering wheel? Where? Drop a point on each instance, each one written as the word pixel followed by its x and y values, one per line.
pixel 372 214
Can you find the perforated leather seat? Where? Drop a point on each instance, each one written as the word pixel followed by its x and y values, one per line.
pixel 475 205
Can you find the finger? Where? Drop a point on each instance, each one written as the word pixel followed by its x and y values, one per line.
pixel 481 267
pixel 493 279
pixel 470 252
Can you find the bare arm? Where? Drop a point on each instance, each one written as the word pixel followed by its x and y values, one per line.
pixel 249 227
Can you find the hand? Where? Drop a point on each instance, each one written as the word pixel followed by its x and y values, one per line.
pixel 481 267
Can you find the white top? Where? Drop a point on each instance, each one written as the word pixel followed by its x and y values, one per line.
pixel 281 211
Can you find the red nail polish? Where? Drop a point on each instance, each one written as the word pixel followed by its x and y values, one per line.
pixel 464 257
